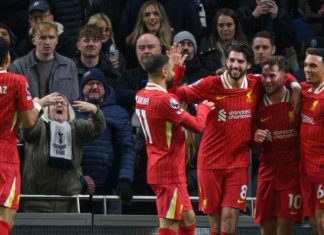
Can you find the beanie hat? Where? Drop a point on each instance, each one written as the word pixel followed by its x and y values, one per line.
pixel 93 74
pixel 185 35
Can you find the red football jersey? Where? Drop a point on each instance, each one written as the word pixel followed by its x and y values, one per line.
pixel 312 127
pixel 162 119
pixel 14 98
pixel 225 142
pixel 283 123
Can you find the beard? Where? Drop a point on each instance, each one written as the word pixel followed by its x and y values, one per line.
pixel 236 77
pixel 94 99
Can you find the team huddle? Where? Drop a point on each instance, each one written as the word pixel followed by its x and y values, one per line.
pixel 237 111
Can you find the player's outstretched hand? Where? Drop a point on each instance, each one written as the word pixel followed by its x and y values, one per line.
pixel 85 107
pixel 262 135
pixel 175 56
pixel 210 104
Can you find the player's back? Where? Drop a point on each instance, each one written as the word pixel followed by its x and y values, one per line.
pixel 13 90
pixel 159 114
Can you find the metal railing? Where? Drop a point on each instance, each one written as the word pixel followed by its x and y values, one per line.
pixel 104 198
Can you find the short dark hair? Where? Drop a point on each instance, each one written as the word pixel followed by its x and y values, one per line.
pixel 316 51
pixel 264 34
pixel 242 47
pixel 280 61
pixel 155 63
pixel 91 31
pixel 4 50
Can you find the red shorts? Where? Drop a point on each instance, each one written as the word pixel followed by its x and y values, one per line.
pixel 9 185
pixel 171 200
pixel 222 187
pixel 312 188
pixel 280 197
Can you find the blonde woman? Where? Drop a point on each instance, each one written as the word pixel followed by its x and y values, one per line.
pixel 109 48
pixel 153 19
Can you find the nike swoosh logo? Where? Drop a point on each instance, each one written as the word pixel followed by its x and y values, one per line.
pixel 220 97
pixel 239 201
pixel 293 212
pixel 264 119
pixel 322 201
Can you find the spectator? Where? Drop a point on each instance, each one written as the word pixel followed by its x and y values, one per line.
pixel 39 11
pixel 109 48
pixel 114 10
pixel 268 15
pixel 54 154
pixel 71 13
pixel 153 19
pixel 182 14
pixel 89 45
pixel 46 70
pixel 109 159
pixel 135 79
pixel 212 6
pixel 226 29
pixel 8 35
pixel 264 47
pixel 193 67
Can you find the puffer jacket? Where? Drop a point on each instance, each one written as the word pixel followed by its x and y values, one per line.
pixel 111 157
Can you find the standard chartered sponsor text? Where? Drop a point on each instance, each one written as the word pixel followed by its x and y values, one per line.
pixel 240 114
pixel 285 134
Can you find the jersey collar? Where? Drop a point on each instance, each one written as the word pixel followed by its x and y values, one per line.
pixel 285 98
pixel 318 90
pixel 226 81
pixel 154 87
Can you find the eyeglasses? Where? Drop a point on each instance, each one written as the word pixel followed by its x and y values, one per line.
pixel 63 102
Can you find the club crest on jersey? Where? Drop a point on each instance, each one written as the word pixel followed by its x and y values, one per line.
pixel 314 105
pixel 174 103
pixel 249 96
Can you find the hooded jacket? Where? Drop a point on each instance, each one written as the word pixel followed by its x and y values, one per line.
pixel 111 157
